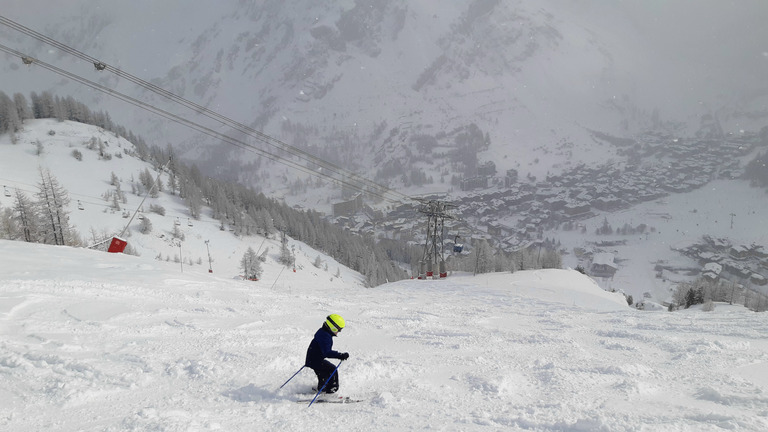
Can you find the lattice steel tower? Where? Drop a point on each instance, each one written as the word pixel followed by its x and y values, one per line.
pixel 437 213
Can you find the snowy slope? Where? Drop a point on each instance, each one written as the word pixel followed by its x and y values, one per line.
pixel 94 341
pixel 88 181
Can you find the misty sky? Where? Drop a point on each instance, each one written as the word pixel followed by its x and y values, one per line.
pixel 713 33
pixel 718 34
pixel 681 50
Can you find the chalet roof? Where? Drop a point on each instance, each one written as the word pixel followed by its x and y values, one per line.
pixel 604 258
pixel 713 267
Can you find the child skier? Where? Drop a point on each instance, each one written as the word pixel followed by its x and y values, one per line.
pixel 321 348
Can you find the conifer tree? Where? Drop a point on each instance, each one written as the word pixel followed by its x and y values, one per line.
pixel 690 298
pixel 23 109
pixel 52 202
pixel 9 116
pixel 286 258
pixel 483 257
pixel 8 228
pixel 145 226
pixel 172 186
pixel 26 216
pixel 251 265
pixel 194 203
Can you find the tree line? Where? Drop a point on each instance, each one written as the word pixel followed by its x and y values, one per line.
pixel 705 291
pixel 41 220
pixel 484 258
pixel 13 112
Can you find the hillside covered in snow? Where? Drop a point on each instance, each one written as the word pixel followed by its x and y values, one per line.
pixel 113 342
pixel 109 187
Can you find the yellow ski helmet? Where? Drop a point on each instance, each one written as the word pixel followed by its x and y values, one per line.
pixel 335 322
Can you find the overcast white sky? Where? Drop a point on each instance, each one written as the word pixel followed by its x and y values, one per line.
pixel 679 52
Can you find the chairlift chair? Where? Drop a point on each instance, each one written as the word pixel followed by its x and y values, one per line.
pixel 80 205
pixel 457 247
pixel 6 191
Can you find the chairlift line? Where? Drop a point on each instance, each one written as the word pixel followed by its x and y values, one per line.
pixel 191 124
pixel 373 188
pixel 208 131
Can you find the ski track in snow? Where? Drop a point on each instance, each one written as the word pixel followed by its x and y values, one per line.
pixel 178 353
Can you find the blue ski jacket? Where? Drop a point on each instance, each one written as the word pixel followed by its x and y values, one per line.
pixel 321 348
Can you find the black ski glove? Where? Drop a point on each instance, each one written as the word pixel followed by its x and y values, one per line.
pixel 344 356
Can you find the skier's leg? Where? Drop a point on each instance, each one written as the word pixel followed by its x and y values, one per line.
pixel 333 386
pixel 323 373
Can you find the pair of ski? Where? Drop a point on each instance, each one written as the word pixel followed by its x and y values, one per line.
pixel 331 399
pixel 325 398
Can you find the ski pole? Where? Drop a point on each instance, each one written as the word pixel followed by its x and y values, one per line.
pixel 297 372
pixel 326 383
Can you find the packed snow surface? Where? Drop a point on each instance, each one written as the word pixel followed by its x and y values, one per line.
pixel 91 341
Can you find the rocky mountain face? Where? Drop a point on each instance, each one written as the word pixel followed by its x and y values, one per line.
pixel 416 95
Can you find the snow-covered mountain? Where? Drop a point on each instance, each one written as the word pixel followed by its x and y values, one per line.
pixel 427 89
pixel 389 85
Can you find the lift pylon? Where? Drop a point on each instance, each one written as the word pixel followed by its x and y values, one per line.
pixel 437 213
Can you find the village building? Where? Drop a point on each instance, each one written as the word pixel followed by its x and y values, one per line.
pixel 603 265
pixel 712 270
pixel 348 208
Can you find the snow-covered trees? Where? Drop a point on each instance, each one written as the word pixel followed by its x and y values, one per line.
pixel 22 107
pixel 8 228
pixel 482 258
pixel 145 226
pixel 177 233
pixel 484 262
pixel 704 290
pixel 156 208
pixel 26 217
pixel 251 265
pixel 286 257
pixel 147 181
pixel 44 220
pixel 9 115
pixel 52 201
pixel 194 201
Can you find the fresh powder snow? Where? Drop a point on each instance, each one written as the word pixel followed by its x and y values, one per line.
pixel 113 342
